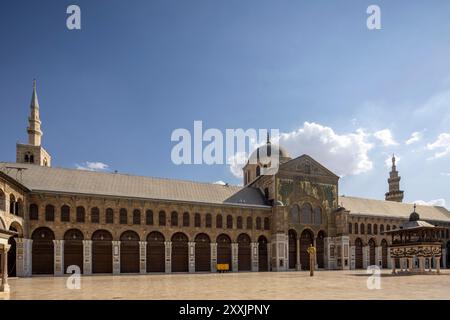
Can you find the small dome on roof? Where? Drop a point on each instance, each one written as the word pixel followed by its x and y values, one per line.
pixel 414 216
pixel 263 153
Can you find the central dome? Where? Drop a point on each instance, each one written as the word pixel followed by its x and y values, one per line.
pixel 262 155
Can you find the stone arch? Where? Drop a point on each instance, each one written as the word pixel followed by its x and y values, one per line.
pixel 358 254
pixel 156 252
pixel 320 248
pixel 292 236
pixel 244 252
pixel 263 261
pixel 180 252
pixel 73 249
pixel 102 251
pixel 306 240
pixel 2 200
pixel 224 249
pixel 17 227
pixel 129 252
pixel 2 224
pixel 202 252
pixel 42 251
pixel 12 203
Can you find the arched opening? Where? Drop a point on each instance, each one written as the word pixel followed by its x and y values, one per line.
pixel 292 249
pixel 42 251
pixel 244 253
pixel 306 240
pixel 81 213
pixel 49 213
pixel 202 253
pixel 372 246
pixel 95 215
pixel 129 252
pixel 156 252
pixel 136 216
pixel 12 250
pixel 358 254
pixel 65 213
pixel 102 252
pixel 2 201
pixel 180 253
pixel 34 212
pixel 73 249
pixel 320 249
pixel 306 214
pixel 224 250
pixel 186 219
pixel 12 204
pixel 263 261
pixel 384 253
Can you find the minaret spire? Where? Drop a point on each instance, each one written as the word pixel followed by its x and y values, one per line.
pixel 34 127
pixel 394 194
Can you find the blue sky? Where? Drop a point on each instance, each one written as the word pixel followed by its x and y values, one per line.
pixel 114 91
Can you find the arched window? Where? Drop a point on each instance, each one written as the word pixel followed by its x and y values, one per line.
pixel 80 214
pixel 381 228
pixel 123 216
pixel 388 228
pixel 369 228
pixel 394 227
pixel 149 217
pixel 27 158
pixel 95 215
pixel 136 216
pixel 186 219
pixel 306 214
pixel 258 171
pixel 219 221
pixel 174 219
pixel 249 223
pixel 229 222
pixel 31 158
pixel 258 223
pixel 65 213
pixel 208 220
pixel 350 227
pixel 162 218
pixel 361 229
pixel 356 228
pixel 109 215
pixel 239 222
pixel 49 213
pixel 197 220
pixel 375 229
pixel 317 215
pixel 34 212
pixel 266 223
pixel 12 204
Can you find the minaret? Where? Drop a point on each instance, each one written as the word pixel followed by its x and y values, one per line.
pixel 34 128
pixel 33 152
pixel 394 194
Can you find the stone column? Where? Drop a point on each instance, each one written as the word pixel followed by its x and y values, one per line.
pixel 87 257
pixel 143 257
pixel 389 260
pixel 4 286
pixel 234 256
pixel 353 257
pixel 393 266
pixel 168 245
pixel 411 264
pixel 444 258
pixel 213 256
pixel 116 256
pixel 23 257
pixel 378 256
pixel 298 265
pixel 438 265
pixel 255 257
pixel 191 248
pixel 58 253
pixel 279 252
pixel 316 265
pixel 421 264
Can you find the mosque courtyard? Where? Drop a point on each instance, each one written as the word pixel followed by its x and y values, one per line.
pixel 240 286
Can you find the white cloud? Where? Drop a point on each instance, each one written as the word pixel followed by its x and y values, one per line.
pixel 436 202
pixel 386 138
pixel 445 174
pixel 237 162
pixel 442 144
pixel 415 137
pixel 92 166
pixel 220 182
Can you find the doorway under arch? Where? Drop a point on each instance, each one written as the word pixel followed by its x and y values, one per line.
pixel 42 260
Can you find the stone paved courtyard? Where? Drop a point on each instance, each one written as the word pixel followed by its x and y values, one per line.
pixel 285 285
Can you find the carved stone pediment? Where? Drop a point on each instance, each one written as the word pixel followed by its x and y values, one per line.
pixel 307 166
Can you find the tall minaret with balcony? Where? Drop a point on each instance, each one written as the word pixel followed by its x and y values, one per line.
pixel 394 194
pixel 33 152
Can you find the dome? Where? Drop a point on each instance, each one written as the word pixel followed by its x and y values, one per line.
pixel 263 153
pixel 414 216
